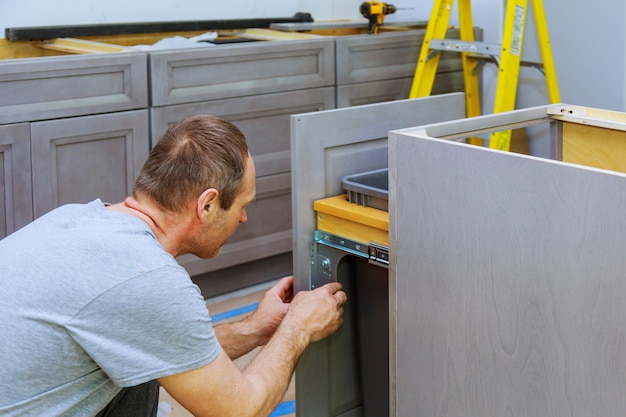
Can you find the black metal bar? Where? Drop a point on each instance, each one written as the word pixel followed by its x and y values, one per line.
pixel 77 31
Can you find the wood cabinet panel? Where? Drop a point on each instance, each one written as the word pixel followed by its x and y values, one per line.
pixel 194 75
pixel 52 87
pixel 16 201
pixel 77 160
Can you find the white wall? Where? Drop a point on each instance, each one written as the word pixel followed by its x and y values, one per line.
pixel 589 47
pixel 73 12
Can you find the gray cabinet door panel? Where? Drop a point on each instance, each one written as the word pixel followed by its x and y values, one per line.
pixel 210 73
pixel 53 87
pixel 77 160
pixel 264 119
pixel 326 146
pixel 266 233
pixel 387 55
pixel 509 277
pixel 16 201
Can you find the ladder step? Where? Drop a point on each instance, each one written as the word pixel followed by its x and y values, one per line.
pixel 465 46
pixel 479 50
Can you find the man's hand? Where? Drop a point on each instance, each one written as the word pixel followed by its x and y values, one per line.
pixel 317 313
pixel 272 309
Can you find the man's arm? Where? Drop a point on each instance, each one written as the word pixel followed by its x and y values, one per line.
pixel 239 338
pixel 219 388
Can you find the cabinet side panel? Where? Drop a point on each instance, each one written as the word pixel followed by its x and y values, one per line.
pixel 510 289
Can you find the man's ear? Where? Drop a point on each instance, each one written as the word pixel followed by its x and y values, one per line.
pixel 208 204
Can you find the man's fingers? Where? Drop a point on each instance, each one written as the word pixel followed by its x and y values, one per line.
pixel 333 287
pixel 341 297
pixel 284 289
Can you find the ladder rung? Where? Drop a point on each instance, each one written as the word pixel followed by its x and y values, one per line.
pixel 478 50
pixel 465 46
pixel 531 64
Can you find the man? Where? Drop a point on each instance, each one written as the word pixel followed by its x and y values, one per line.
pixel 95 310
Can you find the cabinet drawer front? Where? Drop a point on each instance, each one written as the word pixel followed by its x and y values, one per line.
pixel 16 199
pixel 53 87
pixel 80 159
pixel 263 119
pixel 266 233
pixel 194 75
pixel 359 94
pixel 387 55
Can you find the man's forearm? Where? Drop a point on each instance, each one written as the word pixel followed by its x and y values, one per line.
pixel 237 338
pixel 272 368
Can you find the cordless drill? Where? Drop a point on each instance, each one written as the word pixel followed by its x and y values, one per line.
pixel 375 11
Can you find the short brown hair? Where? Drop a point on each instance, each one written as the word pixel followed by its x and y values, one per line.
pixel 194 154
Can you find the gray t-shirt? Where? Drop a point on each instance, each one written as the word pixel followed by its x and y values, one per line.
pixel 90 302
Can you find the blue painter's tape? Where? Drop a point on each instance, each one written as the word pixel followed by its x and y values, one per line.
pixel 287 407
pixel 233 313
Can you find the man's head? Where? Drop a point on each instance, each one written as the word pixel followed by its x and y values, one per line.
pixel 194 154
pixel 201 166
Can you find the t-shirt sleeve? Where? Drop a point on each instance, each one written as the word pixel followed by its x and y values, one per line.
pixel 153 325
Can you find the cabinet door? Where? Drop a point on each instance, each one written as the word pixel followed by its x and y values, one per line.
pixel 16 199
pixel 80 159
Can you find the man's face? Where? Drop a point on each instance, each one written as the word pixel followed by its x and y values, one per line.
pixel 215 234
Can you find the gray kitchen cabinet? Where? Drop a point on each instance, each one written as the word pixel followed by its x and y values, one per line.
pixel 503 293
pixel 76 160
pixel 69 131
pixel 346 374
pixel 15 178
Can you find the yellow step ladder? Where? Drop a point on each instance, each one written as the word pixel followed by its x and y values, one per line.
pixel 472 53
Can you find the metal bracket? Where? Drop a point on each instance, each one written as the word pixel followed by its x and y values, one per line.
pixel 379 255
pixel 321 271
pixel 376 254
pixel 347 245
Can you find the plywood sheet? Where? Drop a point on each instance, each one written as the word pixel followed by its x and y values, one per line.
pixel 594 146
